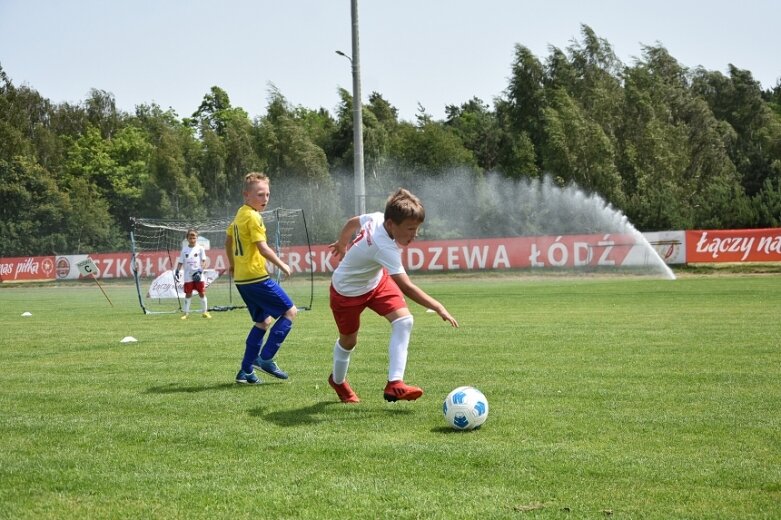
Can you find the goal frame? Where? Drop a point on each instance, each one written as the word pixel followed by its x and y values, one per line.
pixel 156 245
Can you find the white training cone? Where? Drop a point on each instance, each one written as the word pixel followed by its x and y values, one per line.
pixel 128 339
pixel 26 314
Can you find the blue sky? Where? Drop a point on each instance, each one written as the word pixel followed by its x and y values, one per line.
pixel 431 53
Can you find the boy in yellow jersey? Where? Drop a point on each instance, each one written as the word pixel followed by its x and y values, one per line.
pixel 267 302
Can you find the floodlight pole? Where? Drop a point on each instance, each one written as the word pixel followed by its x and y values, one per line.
pixel 359 184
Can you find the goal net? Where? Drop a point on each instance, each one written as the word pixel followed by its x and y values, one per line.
pixel 157 243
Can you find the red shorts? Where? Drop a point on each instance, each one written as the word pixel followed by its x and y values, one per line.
pixel 189 287
pixel 383 300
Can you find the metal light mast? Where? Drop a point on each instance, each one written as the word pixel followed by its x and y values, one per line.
pixel 355 61
pixel 360 186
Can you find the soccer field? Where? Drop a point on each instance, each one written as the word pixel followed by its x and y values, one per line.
pixel 621 397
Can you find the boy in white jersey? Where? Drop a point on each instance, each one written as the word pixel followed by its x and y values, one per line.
pixel 371 275
pixel 193 258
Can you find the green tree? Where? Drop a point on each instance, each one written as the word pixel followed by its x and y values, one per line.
pixel 478 128
pixel 101 110
pixel 576 149
pixel 583 97
pixel 32 210
pixel 131 153
pixel 318 124
pixel 68 120
pixel 90 225
pixel 767 205
pixel 175 191
pixel 213 173
pixel 773 98
pixel 676 171
pixel 284 142
pixel 379 122
pixel 429 149
pixel 236 151
pixel 89 158
pixel 175 179
pixel 516 153
pixel 340 152
pixel 17 122
pixel 520 110
pixel 212 111
pixel 38 218
pixel 593 79
pixel 738 101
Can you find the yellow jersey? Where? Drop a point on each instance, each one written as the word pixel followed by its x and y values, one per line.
pixel 246 230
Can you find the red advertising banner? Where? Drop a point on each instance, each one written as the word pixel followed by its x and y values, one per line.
pixel 119 265
pixel 734 245
pixel 565 251
pixel 568 251
pixel 27 269
pixel 518 253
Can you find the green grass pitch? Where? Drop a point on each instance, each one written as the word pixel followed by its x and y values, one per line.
pixel 620 397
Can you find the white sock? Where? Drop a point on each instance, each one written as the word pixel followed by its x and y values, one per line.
pixel 341 362
pixel 186 306
pixel 204 305
pixel 401 329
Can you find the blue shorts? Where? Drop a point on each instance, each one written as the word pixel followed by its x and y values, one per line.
pixel 265 299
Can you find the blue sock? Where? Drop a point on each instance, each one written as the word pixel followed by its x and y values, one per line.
pixel 276 336
pixel 254 339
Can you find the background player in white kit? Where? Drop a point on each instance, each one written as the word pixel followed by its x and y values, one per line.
pixel 193 258
pixel 371 275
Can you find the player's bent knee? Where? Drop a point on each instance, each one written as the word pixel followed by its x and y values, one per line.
pixel 405 322
pixel 348 342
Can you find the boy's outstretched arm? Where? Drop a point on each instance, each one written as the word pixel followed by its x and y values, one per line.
pixel 420 297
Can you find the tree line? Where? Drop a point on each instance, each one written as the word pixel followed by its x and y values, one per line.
pixel 670 147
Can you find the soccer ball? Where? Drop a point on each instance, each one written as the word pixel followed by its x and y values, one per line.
pixel 465 408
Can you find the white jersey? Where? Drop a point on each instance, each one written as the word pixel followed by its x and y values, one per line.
pixel 372 250
pixel 192 258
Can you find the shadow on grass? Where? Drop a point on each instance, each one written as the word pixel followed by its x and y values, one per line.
pixel 174 388
pixel 295 417
pixel 445 429
pixel 315 413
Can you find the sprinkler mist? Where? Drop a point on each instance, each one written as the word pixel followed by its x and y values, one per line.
pixel 461 204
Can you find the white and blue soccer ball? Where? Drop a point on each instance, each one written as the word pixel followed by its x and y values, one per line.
pixel 465 408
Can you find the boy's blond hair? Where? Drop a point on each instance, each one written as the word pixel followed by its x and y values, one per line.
pixel 253 177
pixel 403 205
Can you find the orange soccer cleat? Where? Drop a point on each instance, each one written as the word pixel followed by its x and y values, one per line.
pixel 398 391
pixel 343 390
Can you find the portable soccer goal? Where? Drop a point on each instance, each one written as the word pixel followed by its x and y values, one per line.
pixel 157 243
